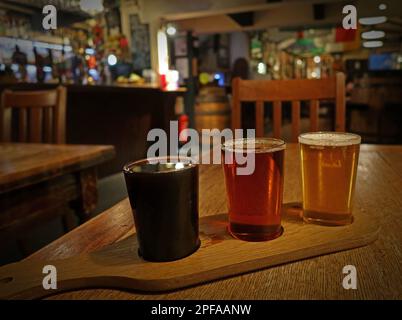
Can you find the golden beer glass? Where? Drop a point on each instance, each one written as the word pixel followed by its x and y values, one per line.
pixel 329 168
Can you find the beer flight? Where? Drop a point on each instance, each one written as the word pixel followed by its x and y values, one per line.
pixel 164 194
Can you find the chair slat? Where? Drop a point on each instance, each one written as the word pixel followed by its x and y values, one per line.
pixel 5 125
pixel 277 119
pixel 35 125
pixel 47 125
pixel 259 118
pixel 236 105
pixel 295 120
pixel 59 116
pixel 5 119
pixel 22 125
pixel 340 103
pixel 314 107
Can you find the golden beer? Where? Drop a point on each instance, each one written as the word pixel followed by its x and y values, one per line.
pixel 329 167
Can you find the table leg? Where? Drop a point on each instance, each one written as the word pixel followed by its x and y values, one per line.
pixel 86 204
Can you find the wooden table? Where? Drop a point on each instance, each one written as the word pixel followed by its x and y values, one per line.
pixel 38 180
pixel 379 265
pixel 124 116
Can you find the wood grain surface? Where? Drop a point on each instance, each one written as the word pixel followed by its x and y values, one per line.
pixel 220 255
pixel 379 265
pixel 24 164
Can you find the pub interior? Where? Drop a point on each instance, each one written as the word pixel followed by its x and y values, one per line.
pixel 83 83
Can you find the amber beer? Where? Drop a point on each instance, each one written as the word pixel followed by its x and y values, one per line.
pixel 329 167
pixel 255 200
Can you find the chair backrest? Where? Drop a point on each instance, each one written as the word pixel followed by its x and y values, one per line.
pixel 41 115
pixel 297 90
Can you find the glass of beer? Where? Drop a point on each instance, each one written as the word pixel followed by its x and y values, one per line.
pixel 254 200
pixel 163 194
pixel 329 167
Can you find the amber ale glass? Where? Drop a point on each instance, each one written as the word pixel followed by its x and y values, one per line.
pixel 255 200
pixel 329 167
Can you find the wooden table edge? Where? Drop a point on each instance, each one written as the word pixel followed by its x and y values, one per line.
pixel 105 153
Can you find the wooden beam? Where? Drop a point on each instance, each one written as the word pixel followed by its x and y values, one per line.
pixel 16 8
pixel 217 12
pixel 238 9
pixel 243 19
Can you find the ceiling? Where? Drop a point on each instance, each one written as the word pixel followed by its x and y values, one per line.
pixel 64 5
pixel 69 11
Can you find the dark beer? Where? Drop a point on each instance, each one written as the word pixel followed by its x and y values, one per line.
pixel 255 200
pixel 164 201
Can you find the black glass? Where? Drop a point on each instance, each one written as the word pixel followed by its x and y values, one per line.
pixel 164 201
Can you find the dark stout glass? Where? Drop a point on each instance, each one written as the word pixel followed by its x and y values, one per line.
pixel 164 201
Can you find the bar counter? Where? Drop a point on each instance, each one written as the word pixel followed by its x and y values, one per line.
pixel 118 115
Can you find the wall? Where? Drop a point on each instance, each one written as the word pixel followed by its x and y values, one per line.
pixel 239 46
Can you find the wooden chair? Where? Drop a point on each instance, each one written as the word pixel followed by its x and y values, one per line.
pixel 297 90
pixel 41 115
pixel 41 119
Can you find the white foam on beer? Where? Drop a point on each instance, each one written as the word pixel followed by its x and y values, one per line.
pixel 332 139
pixel 262 145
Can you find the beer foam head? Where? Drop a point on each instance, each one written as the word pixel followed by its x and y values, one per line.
pixel 160 165
pixel 333 139
pixel 254 145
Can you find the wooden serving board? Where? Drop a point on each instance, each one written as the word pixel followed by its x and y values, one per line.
pixel 118 265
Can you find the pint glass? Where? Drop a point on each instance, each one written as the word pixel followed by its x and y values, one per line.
pixel 255 200
pixel 163 194
pixel 329 167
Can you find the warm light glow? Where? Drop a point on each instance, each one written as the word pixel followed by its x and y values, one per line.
pixel 172 79
pixel 370 35
pixel 382 6
pixel 112 60
pixel 171 30
pixel 261 68
pixel 372 20
pixel 179 165
pixel 373 44
pixel 317 59
pixel 163 54
pixel 314 74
